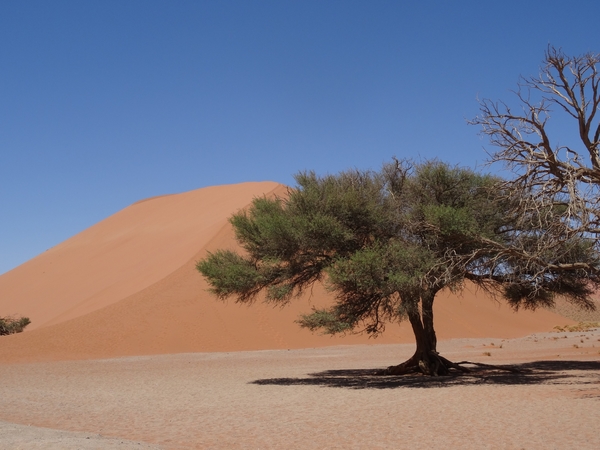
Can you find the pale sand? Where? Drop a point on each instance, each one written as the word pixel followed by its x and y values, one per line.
pixel 311 398
pixel 27 437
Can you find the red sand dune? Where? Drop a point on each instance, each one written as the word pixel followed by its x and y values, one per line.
pixel 128 286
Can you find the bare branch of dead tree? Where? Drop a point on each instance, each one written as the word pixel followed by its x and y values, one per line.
pixel 552 176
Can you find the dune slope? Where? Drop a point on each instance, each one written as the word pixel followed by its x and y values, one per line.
pixel 128 286
pixel 122 254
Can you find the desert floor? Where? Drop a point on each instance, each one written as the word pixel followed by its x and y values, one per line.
pixel 319 398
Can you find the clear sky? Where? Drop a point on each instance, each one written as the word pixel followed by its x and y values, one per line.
pixel 103 103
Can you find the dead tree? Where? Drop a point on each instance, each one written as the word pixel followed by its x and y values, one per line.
pixel 553 173
pixel 556 185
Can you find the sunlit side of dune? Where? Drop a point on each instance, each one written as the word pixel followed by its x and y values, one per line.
pixel 122 254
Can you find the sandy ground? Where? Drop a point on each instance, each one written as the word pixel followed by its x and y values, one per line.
pixel 16 437
pixel 128 350
pixel 321 398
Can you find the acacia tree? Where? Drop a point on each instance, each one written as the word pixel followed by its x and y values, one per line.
pixel 555 171
pixel 385 243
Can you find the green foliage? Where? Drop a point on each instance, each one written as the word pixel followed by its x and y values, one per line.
pixel 367 283
pixel 329 322
pixel 383 241
pixel 369 235
pixel 9 325
pixel 232 274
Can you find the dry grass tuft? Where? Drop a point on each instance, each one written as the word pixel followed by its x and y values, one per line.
pixel 581 326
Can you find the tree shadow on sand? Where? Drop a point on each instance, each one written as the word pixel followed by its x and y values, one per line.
pixel 580 373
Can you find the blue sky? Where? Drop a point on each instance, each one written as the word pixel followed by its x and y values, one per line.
pixel 103 103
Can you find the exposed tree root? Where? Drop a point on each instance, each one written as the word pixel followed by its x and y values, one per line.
pixel 433 364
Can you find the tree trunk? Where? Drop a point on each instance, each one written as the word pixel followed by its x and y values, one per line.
pixel 426 359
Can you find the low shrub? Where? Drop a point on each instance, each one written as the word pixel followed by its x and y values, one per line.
pixel 581 326
pixel 10 325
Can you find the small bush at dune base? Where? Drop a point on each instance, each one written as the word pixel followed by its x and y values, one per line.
pixel 581 326
pixel 8 325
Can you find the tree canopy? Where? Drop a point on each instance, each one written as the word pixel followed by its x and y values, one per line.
pixel 385 243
